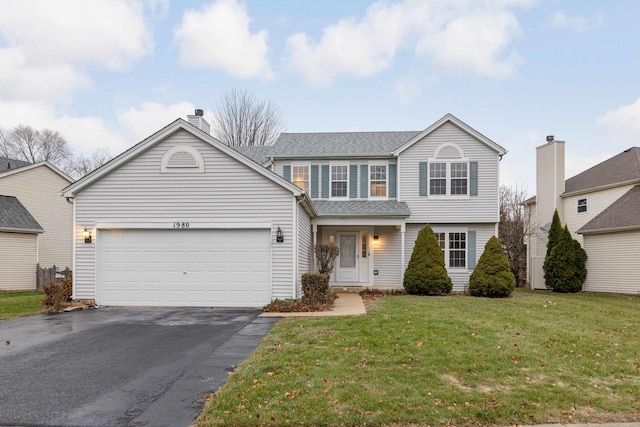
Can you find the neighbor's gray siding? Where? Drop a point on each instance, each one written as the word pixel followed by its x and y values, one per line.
pixel 38 189
pixel 613 263
pixel 227 192
pixel 459 277
pixel 480 208
pixel 305 255
pixel 18 254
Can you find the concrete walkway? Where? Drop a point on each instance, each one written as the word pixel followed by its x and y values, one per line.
pixel 347 304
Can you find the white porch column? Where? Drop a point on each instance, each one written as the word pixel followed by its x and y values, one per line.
pixel 313 249
pixel 402 230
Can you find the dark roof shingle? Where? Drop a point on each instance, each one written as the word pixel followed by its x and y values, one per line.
pixel 621 214
pixel 7 164
pixel 15 217
pixel 362 208
pixel 620 168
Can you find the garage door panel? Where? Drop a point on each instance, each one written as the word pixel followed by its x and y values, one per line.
pixel 184 267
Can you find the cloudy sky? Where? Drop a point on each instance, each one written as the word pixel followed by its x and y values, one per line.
pixel 110 73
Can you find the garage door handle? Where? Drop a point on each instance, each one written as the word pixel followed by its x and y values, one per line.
pixel 184 272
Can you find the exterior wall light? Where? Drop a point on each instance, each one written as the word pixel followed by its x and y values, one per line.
pixel 279 236
pixel 376 240
pixel 86 235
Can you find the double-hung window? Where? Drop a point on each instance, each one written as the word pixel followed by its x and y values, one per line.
pixel 448 178
pixel 378 180
pixel 339 181
pixel 582 205
pixel 454 248
pixel 300 175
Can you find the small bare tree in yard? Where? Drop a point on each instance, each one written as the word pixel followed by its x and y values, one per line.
pixel 31 145
pixel 241 119
pixel 515 226
pixel 325 257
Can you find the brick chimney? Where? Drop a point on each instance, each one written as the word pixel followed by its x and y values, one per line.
pixel 199 121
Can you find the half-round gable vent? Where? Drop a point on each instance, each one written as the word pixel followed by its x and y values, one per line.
pixel 182 159
pixel 449 152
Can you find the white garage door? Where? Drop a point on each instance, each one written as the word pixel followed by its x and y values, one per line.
pixel 184 267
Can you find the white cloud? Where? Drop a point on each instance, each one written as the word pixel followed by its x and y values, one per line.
pixel 84 134
pixel 622 124
pixel 474 42
pixel 47 43
pixel 139 123
pixel 358 47
pixel 464 36
pixel 562 21
pixel 218 37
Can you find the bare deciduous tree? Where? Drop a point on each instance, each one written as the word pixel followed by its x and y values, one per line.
pixel 28 144
pixel 325 257
pixel 515 226
pixel 241 119
pixel 81 165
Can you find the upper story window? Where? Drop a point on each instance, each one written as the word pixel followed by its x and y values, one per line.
pixel 378 180
pixel 448 173
pixel 300 176
pixel 582 205
pixel 339 180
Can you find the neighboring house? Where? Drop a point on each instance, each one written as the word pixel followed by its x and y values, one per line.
pixel 183 219
pixel 600 207
pixel 18 245
pixel 7 164
pixel 38 188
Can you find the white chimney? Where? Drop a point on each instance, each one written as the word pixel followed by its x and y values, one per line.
pixel 549 180
pixel 199 121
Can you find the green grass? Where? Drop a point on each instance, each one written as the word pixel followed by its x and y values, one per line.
pixel 23 303
pixel 535 358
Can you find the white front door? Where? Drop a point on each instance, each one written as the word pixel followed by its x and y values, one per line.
pixel 347 268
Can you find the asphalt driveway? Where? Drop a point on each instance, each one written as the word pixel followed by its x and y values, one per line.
pixel 120 366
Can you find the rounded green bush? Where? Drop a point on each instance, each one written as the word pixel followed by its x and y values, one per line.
pixel 426 273
pixel 566 265
pixel 492 277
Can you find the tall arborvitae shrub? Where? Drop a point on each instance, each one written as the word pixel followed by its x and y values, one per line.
pixel 492 276
pixel 566 265
pixel 426 273
pixel 555 232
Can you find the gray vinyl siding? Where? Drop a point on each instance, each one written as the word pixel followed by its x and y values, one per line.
pixel 18 255
pixel 613 263
pixel 480 208
pixel 305 254
pixel 387 257
pixel 459 277
pixel 227 192
pixel 38 189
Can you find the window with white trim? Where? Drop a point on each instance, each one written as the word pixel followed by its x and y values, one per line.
pixel 448 178
pixel 582 205
pixel 300 177
pixel 378 181
pixel 339 181
pixel 454 248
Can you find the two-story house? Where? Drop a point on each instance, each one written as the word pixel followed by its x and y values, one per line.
pixel 600 207
pixel 182 219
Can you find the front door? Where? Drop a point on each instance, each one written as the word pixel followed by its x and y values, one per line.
pixel 347 268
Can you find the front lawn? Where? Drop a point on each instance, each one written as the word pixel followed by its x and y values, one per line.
pixel 535 358
pixel 22 303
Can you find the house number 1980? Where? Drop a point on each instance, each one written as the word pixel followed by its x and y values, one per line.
pixel 180 225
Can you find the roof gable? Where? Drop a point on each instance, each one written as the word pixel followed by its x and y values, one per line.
pixel 14 217
pixel 160 136
pixel 32 166
pixel 450 118
pixel 620 215
pixel 619 169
